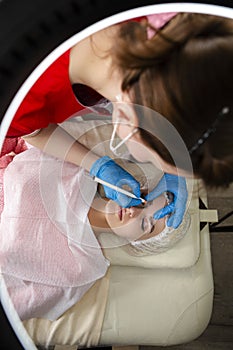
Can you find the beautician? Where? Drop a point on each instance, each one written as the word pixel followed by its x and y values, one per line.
pixel 176 70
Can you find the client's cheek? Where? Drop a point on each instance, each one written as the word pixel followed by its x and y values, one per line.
pixel 131 231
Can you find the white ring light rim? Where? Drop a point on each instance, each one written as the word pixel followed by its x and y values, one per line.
pixel 222 11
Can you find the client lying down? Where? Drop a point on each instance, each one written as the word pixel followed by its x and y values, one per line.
pixel 53 214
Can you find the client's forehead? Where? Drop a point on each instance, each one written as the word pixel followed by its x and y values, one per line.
pixel 155 205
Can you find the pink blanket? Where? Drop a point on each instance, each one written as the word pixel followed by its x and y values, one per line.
pixel 10 148
pixel 49 254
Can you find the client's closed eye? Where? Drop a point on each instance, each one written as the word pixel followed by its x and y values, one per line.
pixel 147 225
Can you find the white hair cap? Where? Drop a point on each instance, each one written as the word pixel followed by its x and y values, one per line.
pixel 165 240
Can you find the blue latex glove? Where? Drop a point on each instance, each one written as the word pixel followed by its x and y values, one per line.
pixel 177 186
pixel 106 169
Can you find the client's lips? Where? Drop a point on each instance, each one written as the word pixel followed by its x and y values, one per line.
pixel 121 213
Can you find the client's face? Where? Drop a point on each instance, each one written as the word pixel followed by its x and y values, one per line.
pixel 135 223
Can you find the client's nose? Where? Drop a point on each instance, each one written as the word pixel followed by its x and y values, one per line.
pixel 132 211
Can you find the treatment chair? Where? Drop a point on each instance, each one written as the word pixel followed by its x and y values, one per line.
pixel 162 299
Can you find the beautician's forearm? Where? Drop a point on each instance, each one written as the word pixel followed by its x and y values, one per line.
pixel 57 142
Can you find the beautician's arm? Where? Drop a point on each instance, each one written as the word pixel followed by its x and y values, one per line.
pixel 55 141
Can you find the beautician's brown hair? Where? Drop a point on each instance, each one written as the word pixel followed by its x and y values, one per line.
pixel 185 73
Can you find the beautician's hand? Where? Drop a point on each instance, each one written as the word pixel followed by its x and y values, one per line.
pixel 106 169
pixel 177 186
